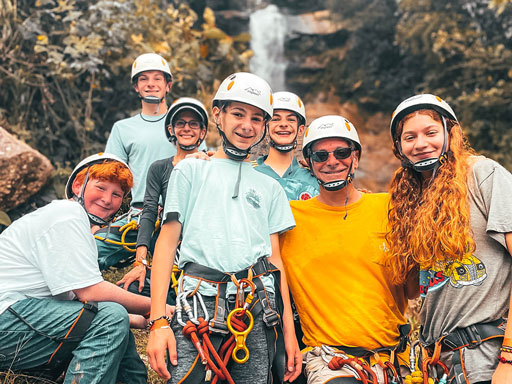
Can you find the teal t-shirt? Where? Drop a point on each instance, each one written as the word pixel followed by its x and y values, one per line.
pixel 219 231
pixel 140 143
pixel 297 182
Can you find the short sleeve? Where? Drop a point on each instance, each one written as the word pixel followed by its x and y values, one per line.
pixel 178 192
pixel 280 215
pixel 67 257
pixel 495 186
pixel 115 145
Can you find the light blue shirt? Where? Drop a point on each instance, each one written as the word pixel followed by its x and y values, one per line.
pixel 219 231
pixel 297 182
pixel 140 143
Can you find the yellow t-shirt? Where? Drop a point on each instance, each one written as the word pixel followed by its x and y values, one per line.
pixel 336 275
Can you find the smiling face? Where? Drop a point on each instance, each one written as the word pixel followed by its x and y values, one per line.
pixel 333 169
pixel 188 135
pixel 152 83
pixel 243 124
pixel 283 127
pixel 101 198
pixel 422 136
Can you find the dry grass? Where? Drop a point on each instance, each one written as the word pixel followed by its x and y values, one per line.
pixel 141 337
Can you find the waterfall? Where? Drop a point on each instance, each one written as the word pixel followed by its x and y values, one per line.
pixel 268 30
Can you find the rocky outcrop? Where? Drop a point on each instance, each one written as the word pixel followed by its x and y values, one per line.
pixel 23 171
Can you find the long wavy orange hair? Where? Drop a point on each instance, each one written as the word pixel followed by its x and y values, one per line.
pixel 429 220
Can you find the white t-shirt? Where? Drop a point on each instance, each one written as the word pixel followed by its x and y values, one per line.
pixel 219 231
pixel 48 253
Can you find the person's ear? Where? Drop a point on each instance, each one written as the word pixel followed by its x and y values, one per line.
pixel 301 129
pixel 355 163
pixel 216 114
pixel 76 187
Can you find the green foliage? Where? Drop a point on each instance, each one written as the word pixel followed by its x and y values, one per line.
pixel 461 51
pixel 65 65
pixel 466 57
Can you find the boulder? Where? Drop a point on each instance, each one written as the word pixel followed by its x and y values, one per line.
pixel 23 171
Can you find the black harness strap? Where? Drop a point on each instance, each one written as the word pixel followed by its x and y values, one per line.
pixel 469 337
pixel 218 326
pixel 63 354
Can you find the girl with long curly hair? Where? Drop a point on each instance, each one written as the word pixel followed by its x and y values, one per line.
pixel 450 221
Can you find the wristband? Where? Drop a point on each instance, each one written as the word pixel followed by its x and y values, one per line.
pixel 161 322
pixel 143 262
pixel 506 348
pixel 504 361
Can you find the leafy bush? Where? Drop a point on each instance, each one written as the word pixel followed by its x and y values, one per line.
pixel 65 65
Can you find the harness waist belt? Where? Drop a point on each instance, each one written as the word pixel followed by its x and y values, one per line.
pixel 472 336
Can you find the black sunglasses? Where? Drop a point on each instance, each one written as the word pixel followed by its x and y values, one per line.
pixel 339 154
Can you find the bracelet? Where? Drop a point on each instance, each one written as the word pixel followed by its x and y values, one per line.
pixel 504 361
pixel 161 322
pixel 143 262
pixel 506 348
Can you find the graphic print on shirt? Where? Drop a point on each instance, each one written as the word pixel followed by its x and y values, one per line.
pixel 460 273
pixel 254 198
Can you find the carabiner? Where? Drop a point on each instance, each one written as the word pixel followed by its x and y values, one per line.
pixel 240 337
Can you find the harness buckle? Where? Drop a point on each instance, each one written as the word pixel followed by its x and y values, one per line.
pixel 261 267
pixel 217 326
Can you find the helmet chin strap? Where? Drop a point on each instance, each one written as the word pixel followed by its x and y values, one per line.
pixel 173 139
pixel 285 147
pixel 93 219
pixel 152 100
pixel 432 163
pixel 336 185
pixel 232 151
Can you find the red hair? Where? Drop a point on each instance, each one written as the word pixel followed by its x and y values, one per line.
pixel 112 171
pixel 429 221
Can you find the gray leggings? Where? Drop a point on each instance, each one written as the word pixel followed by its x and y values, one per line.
pixel 255 371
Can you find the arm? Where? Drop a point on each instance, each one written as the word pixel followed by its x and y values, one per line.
pixel 147 226
pixel 503 373
pixel 105 291
pixel 413 285
pixel 294 357
pixel 162 339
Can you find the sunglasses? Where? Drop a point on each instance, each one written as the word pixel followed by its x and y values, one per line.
pixel 193 124
pixel 339 154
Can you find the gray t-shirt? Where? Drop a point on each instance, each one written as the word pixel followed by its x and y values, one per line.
pixel 477 288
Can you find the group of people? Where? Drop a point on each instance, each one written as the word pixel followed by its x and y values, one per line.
pixel 254 240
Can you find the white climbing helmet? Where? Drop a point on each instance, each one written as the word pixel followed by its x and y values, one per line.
pixel 290 102
pixel 329 126
pixel 246 88
pixel 150 62
pixel 417 102
pixel 87 162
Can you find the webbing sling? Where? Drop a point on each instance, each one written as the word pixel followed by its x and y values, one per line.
pixel 218 324
pixel 63 354
pixel 469 337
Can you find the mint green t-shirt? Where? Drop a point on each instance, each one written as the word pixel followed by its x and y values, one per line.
pixel 219 231
pixel 140 143
pixel 297 182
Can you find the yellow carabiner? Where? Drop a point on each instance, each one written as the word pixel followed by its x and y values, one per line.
pixel 240 337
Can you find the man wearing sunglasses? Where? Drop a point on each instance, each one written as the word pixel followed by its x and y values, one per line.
pixel 335 255
pixel 287 124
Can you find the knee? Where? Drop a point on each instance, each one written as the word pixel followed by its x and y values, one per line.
pixel 114 316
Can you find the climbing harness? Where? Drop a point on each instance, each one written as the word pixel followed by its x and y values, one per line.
pixel 63 354
pixel 358 360
pixel 222 338
pixel 469 337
